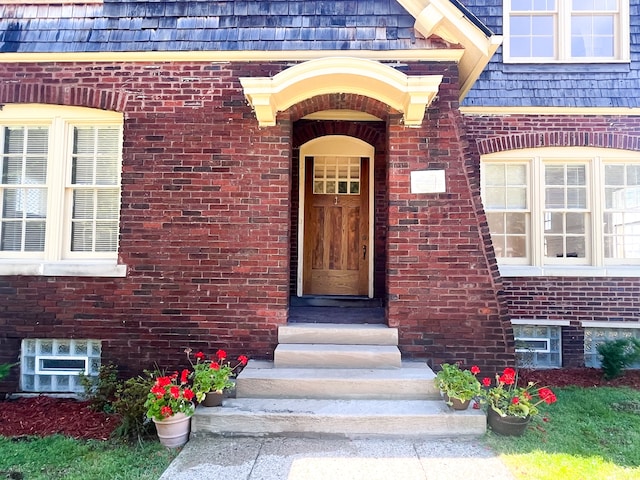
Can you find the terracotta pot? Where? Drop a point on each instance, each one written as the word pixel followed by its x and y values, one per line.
pixel 212 399
pixel 509 425
pixel 456 403
pixel 174 431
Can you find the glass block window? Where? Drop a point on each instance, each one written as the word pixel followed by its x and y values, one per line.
pixel 336 175
pixel 595 336
pixel 53 365
pixel 538 346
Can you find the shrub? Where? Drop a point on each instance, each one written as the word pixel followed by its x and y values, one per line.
pixel 618 355
pixel 101 390
pixel 129 404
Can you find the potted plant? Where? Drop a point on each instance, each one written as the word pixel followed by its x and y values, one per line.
pixel 169 404
pixel 212 377
pixel 510 407
pixel 458 386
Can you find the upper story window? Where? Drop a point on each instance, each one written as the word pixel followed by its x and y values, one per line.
pixel 59 183
pixel 563 206
pixel 541 31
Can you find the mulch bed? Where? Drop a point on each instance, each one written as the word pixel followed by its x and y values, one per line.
pixel 42 416
pixel 579 377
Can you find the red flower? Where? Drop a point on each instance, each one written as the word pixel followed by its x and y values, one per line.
pixel 515 400
pixel 547 395
pixel 200 356
pixel 175 391
pixel 184 376
pixel 188 394
pixel 221 354
pixel 475 370
pixel 508 376
pixel 486 381
pixel 243 359
pixel 163 381
pixel 166 412
pixel 157 390
pixel 214 366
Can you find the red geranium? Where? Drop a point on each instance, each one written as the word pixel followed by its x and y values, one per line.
pixel 213 375
pixel 509 399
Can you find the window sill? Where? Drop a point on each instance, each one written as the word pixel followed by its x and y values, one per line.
pixel 569 271
pixel 106 268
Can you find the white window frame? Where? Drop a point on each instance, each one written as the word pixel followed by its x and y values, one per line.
pixel 57 259
pixel 594 263
pixel 61 371
pixel 562 20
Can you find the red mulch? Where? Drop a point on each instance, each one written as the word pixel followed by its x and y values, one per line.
pixel 42 416
pixel 580 377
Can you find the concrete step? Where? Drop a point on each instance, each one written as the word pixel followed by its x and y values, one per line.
pixel 338 418
pixel 336 356
pixel 412 381
pixel 338 334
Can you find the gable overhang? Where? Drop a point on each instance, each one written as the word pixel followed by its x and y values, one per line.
pixel 455 26
pixel 410 95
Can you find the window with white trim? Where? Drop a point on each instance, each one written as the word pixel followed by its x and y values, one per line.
pixel 538 346
pixel 563 206
pixel 59 183
pixel 53 365
pixel 566 30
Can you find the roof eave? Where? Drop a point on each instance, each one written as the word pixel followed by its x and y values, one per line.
pixel 456 26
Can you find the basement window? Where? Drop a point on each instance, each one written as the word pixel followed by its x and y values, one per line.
pixel 53 365
pixel 538 346
pixel 595 336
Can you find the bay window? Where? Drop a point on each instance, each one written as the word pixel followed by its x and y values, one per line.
pixel 563 207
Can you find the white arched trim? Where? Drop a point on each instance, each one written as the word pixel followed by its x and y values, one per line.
pixel 409 95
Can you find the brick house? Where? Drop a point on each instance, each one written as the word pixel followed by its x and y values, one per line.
pixel 188 174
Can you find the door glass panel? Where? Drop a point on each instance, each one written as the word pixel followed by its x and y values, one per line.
pixel 339 175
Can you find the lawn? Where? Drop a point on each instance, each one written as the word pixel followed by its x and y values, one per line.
pixel 57 458
pixel 590 433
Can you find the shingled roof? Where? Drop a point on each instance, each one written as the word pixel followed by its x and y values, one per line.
pixel 201 25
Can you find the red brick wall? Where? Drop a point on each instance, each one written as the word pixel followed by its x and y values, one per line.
pixel 204 221
pixel 575 299
pixel 442 276
pixel 206 217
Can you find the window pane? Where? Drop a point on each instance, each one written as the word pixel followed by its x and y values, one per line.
pixel 516 247
pixel 494 174
pixel 590 5
pixel 592 36
pixel 495 198
pixel 517 223
pixel 575 223
pixel 621 218
pixel 24 199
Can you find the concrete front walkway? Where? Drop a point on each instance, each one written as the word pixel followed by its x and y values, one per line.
pixel 212 458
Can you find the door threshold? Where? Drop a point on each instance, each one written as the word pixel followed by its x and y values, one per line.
pixel 347 301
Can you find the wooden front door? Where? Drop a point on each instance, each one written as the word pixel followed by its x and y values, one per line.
pixel 336 226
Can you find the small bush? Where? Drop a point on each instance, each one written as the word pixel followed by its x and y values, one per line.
pixel 129 405
pixel 101 390
pixel 618 355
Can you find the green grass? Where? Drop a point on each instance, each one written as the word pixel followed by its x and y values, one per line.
pixel 57 458
pixel 591 433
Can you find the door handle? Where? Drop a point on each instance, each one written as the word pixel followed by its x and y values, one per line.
pixel 364 252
